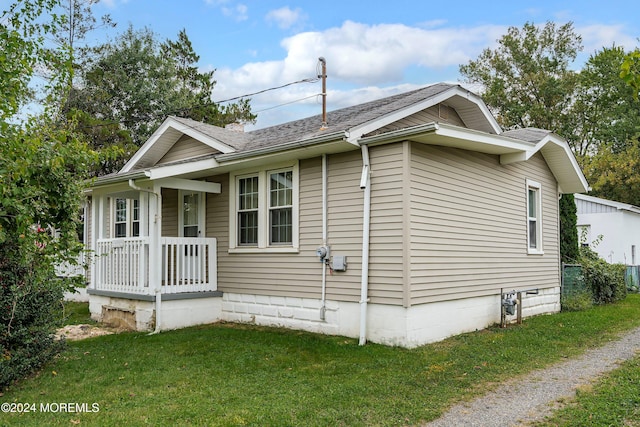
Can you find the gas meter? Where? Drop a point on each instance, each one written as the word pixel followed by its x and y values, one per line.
pixel 509 302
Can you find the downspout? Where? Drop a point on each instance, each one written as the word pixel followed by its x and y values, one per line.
pixel 365 184
pixel 158 290
pixel 323 308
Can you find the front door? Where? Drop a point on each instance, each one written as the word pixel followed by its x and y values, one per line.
pixel 192 226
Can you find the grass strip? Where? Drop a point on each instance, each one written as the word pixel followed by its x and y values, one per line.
pixel 229 374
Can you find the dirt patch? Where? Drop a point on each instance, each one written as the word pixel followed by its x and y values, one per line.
pixel 80 332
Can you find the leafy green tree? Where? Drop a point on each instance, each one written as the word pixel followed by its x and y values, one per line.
pixel 527 80
pixel 603 114
pixel 136 81
pixel 43 166
pixel 569 248
pixel 630 71
pixel 615 175
pixel 528 83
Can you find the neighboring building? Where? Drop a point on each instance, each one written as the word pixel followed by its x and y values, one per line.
pixel 401 222
pixel 612 229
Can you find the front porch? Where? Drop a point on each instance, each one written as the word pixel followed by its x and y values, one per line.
pixel 123 265
pixel 146 272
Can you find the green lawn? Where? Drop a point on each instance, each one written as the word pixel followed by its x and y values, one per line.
pixel 612 401
pixel 226 374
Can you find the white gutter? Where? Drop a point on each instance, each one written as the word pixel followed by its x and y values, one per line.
pixel 154 244
pixel 365 184
pixel 323 308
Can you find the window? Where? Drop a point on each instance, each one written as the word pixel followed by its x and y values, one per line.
pixel 280 207
pixel 126 218
pixel 248 211
pixel 264 210
pixel 534 217
pixel 120 225
pixel 135 222
pixel 192 213
pixel 190 223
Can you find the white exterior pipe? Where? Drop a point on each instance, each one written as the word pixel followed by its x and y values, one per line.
pixel 154 245
pixel 365 184
pixel 323 309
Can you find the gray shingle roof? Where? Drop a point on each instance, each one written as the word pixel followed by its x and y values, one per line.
pixel 527 134
pixel 308 128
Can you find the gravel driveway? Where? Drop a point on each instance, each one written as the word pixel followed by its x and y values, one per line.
pixel 532 397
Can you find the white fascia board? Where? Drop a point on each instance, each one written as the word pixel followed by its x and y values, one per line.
pixel 190 185
pixel 169 171
pixel 180 127
pixel 561 145
pixel 503 146
pixel 199 136
pixel 147 145
pixel 606 202
pixel 355 133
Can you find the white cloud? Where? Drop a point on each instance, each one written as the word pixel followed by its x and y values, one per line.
pixel 366 62
pixel 595 37
pixel 285 17
pixel 238 12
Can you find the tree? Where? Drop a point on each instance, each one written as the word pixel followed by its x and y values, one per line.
pixel 569 248
pixel 526 79
pixel 527 83
pixel 603 114
pixel 135 82
pixel 630 71
pixel 43 167
pixel 615 175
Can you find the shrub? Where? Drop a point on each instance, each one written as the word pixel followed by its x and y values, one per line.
pixel 605 281
pixel 576 301
pixel 30 298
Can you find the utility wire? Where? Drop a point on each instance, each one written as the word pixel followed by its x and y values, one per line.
pixel 310 80
pixel 287 103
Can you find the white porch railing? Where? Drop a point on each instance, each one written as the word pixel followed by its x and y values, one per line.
pixel 187 265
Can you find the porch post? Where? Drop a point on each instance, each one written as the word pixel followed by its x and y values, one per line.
pixel 155 252
pixel 97 232
pixel 143 205
pixel 155 245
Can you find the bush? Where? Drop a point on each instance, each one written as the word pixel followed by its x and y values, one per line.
pixel 30 297
pixel 576 301
pixel 605 281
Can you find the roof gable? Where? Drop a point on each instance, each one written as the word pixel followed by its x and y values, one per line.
pixel 171 131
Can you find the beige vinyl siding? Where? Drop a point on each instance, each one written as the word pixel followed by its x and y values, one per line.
pixel 170 212
pixel 345 199
pixel 186 148
pixel 386 269
pixel 468 225
pixel 438 113
pixel 297 274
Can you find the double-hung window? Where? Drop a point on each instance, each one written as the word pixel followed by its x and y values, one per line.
pixel 534 217
pixel 280 207
pixel 248 211
pixel 126 218
pixel 264 210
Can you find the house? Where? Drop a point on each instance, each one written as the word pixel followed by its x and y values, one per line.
pixel 612 229
pixel 402 221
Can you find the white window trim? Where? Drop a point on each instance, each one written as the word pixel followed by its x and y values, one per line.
pixel 539 249
pixel 263 211
pixel 129 218
pixel 202 201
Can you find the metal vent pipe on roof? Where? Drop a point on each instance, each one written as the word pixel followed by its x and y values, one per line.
pixel 323 76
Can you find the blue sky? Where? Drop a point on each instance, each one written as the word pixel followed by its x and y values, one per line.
pixel 372 48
